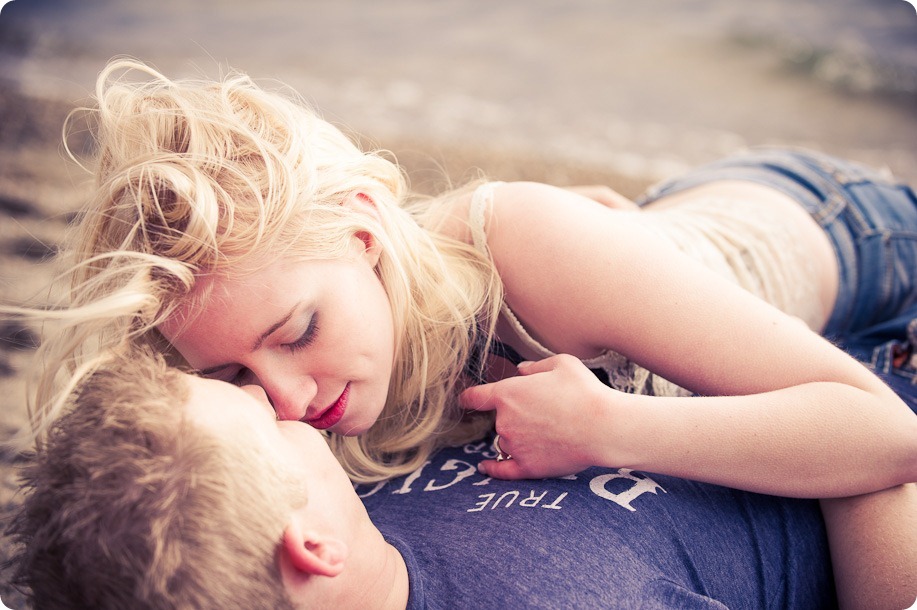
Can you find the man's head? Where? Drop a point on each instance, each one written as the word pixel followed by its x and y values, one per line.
pixel 160 490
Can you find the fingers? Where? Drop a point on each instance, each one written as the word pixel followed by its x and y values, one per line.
pixel 538 366
pixel 478 398
pixel 483 397
pixel 501 453
pixel 505 466
pixel 508 469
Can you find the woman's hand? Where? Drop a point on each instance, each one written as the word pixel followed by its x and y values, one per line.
pixel 548 418
pixel 605 195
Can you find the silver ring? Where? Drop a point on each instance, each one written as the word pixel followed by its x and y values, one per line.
pixel 501 456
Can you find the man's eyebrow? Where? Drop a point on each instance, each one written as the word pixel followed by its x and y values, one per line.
pixel 270 331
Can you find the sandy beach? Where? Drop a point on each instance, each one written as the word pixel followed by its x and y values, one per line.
pixel 589 93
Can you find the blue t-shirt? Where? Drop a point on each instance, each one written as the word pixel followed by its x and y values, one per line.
pixel 604 538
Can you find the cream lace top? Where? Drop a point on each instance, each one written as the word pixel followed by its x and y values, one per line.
pixel 747 244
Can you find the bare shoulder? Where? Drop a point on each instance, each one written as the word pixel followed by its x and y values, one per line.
pixel 534 206
pixel 559 254
pixel 529 216
pixel 524 206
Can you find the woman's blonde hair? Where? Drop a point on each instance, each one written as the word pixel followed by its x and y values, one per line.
pixel 199 177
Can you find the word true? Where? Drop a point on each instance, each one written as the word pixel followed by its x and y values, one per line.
pixel 621 486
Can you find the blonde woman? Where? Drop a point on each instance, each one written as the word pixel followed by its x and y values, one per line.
pixel 251 240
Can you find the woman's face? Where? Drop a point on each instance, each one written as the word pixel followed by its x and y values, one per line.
pixel 317 336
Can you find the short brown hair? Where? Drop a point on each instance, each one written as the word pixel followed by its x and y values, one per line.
pixel 129 505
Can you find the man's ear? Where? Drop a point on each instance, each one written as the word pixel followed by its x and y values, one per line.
pixel 365 204
pixel 312 552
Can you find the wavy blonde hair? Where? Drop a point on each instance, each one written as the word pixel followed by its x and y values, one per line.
pixel 200 177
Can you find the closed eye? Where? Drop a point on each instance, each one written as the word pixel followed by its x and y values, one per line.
pixel 306 338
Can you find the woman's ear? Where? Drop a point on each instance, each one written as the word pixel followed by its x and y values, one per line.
pixel 312 552
pixel 372 249
pixel 365 204
pixel 362 202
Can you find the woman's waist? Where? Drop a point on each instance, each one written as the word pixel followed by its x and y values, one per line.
pixel 743 195
pixel 757 236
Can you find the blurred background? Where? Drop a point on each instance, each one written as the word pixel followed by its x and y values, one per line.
pixel 644 89
pixel 564 91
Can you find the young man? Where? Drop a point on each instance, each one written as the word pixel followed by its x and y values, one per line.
pixel 162 490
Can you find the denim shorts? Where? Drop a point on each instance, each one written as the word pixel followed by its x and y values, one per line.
pixel 872 222
pixel 890 349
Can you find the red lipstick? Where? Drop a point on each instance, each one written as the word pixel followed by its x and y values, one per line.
pixel 332 414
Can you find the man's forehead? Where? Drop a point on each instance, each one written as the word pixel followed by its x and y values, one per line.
pixel 227 411
pixel 209 407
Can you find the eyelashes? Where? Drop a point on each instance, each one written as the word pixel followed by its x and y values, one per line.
pixel 307 338
pixel 244 375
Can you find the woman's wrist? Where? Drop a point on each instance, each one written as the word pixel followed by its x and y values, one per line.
pixel 618 430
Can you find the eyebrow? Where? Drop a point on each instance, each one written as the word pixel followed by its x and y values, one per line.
pixel 270 331
pixel 273 328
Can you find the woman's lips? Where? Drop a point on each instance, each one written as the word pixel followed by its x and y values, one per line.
pixel 332 414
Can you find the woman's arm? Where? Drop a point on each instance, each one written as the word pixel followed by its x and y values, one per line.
pixel 556 418
pixel 781 410
pixel 873 541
